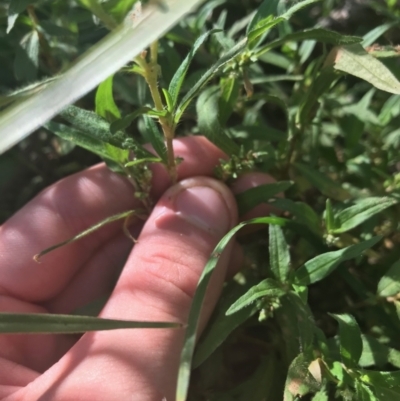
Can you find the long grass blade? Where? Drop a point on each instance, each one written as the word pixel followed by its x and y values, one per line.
pixel 46 323
pixel 190 338
pixel 90 230
pixel 102 60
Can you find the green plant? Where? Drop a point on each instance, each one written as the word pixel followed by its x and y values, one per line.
pixel 271 94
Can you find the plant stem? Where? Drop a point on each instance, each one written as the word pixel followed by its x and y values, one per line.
pixel 151 72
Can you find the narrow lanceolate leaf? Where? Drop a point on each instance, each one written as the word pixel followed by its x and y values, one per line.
pixel 98 128
pixel 127 120
pixel 154 136
pixel 279 257
pixel 247 200
pixel 50 323
pixel 371 37
pixel 322 182
pixel 90 230
pixel 102 60
pixel 318 34
pixel 104 101
pixel 222 324
pixel 85 141
pixel 262 25
pixel 362 211
pixel 269 289
pixel 330 222
pixel 180 74
pixel 349 339
pixel 296 324
pixel 389 284
pixel 322 265
pixel 267 9
pixel 355 60
pixel 208 121
pixel 211 72
pixel 303 213
pixel 194 315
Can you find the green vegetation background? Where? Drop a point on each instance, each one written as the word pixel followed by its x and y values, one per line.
pixel 291 322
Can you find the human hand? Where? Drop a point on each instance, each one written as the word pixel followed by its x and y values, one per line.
pixel 156 284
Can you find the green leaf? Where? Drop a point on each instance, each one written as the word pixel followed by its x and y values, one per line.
pixel 153 135
pixel 353 216
pixel 386 385
pixel 389 284
pixel 299 381
pixel 363 392
pixel 88 231
pixel 124 122
pixel 279 256
pixel 378 354
pixel 102 60
pixel 249 199
pixel 194 315
pixel 227 101
pixel 27 58
pixel 354 60
pixel 51 323
pixel 349 339
pixel 180 74
pixel 168 100
pixel 296 324
pixel 267 288
pixel 267 9
pixel 318 34
pixel 210 73
pixel 303 213
pixel 85 141
pixel 97 128
pixel 118 9
pixel 320 396
pixel 208 121
pixel 96 8
pixel 330 222
pixel 16 7
pixel 321 84
pixel 223 323
pixel 104 101
pixel 265 24
pixel 390 109
pixel 322 265
pixel 328 187
pixel 374 34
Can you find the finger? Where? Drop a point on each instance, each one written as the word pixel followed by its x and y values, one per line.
pixel 68 207
pixel 157 284
pixel 96 278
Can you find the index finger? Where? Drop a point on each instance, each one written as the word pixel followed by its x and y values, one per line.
pixel 72 205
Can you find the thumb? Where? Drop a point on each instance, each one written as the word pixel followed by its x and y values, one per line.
pixel 157 284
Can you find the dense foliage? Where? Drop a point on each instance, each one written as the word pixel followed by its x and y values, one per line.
pixel 306 91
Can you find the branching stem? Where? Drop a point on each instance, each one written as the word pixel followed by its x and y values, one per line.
pixel 151 73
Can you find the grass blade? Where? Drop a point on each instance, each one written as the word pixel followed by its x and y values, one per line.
pixel 102 60
pixel 90 230
pixel 46 323
pixel 190 337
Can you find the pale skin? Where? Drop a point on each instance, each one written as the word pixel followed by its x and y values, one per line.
pixel 157 281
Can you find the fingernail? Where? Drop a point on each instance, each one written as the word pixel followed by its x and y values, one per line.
pixel 204 207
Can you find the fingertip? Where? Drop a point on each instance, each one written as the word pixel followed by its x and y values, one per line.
pixel 252 180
